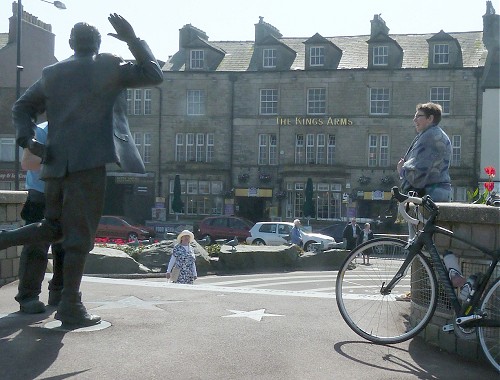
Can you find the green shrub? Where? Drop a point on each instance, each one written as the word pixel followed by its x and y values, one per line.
pixel 213 249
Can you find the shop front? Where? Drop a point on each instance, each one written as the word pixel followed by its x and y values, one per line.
pixel 254 203
pixel 373 204
pixel 130 195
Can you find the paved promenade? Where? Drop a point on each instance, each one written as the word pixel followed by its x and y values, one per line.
pixel 156 330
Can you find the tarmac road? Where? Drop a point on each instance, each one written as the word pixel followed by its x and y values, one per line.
pixel 263 326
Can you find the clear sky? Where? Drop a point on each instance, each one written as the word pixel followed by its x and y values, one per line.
pixel 158 21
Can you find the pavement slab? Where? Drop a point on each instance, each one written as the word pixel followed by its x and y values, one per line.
pixel 157 330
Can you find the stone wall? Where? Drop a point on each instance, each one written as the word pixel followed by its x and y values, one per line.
pixel 11 203
pixel 478 223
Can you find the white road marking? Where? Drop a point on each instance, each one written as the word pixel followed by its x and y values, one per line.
pixel 57 326
pixel 203 287
pixel 218 289
pixel 256 315
pixel 248 279
pixel 131 302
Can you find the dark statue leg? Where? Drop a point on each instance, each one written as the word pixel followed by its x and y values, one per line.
pixel 33 233
pixel 71 311
pixel 82 194
pixel 33 260
pixel 32 266
pixel 56 283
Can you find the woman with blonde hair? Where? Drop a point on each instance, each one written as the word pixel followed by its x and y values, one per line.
pixel 183 259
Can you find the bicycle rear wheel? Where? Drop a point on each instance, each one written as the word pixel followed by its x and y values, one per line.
pixel 386 318
pixel 489 336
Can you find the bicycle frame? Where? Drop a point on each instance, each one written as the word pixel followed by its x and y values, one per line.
pixel 424 238
pixel 414 271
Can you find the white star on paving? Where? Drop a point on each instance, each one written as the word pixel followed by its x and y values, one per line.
pixel 256 315
pixel 132 303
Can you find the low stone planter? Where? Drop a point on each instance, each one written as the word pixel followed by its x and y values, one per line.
pixel 252 258
pixel 112 261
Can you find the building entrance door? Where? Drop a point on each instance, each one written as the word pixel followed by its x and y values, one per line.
pixel 130 196
pixel 251 208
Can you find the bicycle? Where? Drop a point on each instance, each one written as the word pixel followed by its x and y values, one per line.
pixel 400 288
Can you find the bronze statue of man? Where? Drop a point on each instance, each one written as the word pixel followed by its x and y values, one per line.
pixel 86 131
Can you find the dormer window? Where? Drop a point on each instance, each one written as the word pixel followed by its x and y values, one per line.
pixel 321 53
pixel 441 54
pixel 269 57
pixel 380 55
pixel 317 56
pixel 197 59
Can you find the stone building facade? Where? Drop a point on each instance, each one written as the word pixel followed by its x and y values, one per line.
pixel 37 51
pixel 246 123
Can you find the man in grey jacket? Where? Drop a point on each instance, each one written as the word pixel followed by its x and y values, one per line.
pixel 87 129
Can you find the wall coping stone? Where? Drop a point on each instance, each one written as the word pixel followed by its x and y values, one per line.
pixel 468 213
pixel 12 197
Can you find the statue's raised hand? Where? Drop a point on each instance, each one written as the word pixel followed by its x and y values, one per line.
pixel 124 31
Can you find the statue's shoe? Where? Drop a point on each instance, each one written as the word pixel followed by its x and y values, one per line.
pixel 77 320
pixel 32 307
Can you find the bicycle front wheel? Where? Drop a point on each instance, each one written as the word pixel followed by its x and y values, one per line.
pixel 385 317
pixel 489 336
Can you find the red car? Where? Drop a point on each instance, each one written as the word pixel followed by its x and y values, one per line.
pixel 118 227
pixel 224 227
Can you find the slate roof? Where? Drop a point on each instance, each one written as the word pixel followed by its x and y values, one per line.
pixel 355 51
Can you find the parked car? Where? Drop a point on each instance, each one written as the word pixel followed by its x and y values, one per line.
pixel 276 233
pixel 336 229
pixel 213 228
pixel 118 227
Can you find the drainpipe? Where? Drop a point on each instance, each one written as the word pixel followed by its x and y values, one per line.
pixel 159 183
pixel 476 161
pixel 232 79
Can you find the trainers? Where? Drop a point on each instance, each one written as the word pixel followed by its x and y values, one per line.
pixel 404 297
pixel 32 307
pixel 471 285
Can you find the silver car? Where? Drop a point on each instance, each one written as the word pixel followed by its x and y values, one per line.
pixel 277 233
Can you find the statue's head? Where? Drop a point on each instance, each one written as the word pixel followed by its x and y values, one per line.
pixel 85 39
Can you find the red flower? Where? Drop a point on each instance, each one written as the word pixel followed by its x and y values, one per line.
pixel 489 186
pixel 490 171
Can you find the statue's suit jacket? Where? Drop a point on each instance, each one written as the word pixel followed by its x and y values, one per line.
pixel 83 100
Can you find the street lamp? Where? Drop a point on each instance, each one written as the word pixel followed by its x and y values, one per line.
pixel 57 4
pixel 19 68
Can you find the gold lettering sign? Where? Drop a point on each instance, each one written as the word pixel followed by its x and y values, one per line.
pixel 314 121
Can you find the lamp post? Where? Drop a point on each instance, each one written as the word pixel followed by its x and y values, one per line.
pixel 19 68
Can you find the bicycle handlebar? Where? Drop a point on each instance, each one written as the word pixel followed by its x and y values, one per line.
pixel 405 199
